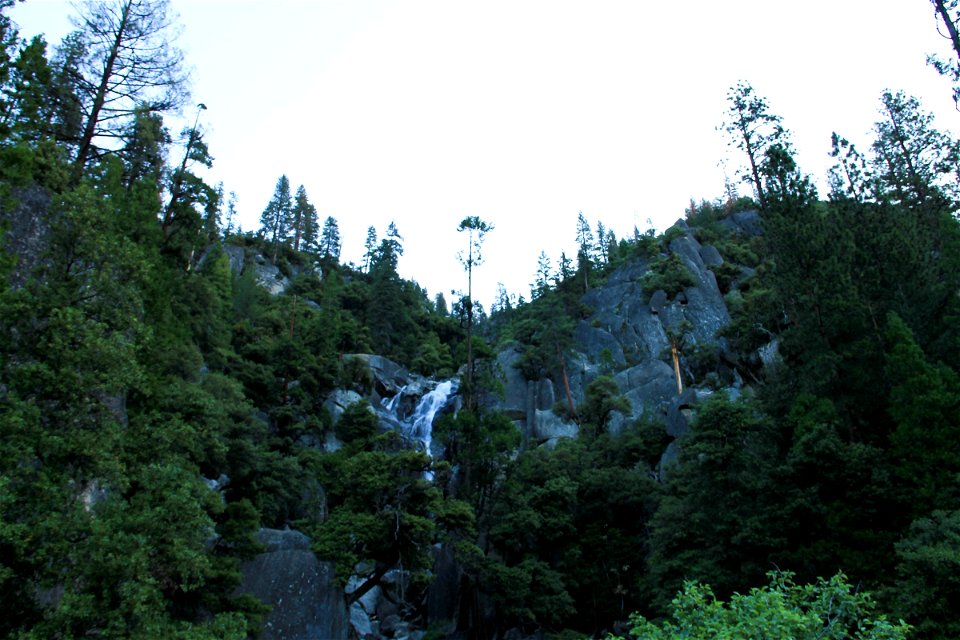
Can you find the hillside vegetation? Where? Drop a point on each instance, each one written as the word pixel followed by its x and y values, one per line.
pixel 775 404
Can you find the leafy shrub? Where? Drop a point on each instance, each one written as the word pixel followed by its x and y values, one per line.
pixel 669 274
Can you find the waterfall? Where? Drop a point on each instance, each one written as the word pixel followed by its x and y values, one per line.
pixel 418 425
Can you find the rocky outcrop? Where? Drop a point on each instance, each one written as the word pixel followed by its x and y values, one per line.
pixel 648 386
pixel 389 378
pixel 270 278
pixel 289 577
pixel 627 335
pixel 27 231
pixel 338 401
pixel 745 223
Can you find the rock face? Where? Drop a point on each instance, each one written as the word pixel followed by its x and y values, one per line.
pixel 746 223
pixel 290 578
pixel 28 231
pixel 266 274
pixel 627 336
pixel 270 278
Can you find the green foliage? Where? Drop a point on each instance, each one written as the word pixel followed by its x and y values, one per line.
pixel 358 425
pixel 568 529
pixel 827 609
pixel 719 520
pixel 669 274
pixel 602 398
pixel 927 589
pixel 482 444
pixel 383 513
pixel 924 403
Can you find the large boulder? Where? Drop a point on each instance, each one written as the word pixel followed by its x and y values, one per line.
pixel 598 344
pixel 514 400
pixel 289 577
pixel 649 387
pixel 237 257
pixel 622 310
pixel 746 223
pixel 270 278
pixel 338 401
pixel 549 426
pixel 389 378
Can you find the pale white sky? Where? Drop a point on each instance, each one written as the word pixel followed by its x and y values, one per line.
pixel 523 112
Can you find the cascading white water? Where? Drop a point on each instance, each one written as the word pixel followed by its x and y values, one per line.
pixel 418 426
pixel 394 401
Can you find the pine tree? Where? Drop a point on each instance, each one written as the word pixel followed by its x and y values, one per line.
pixel 129 64
pixel 752 129
pixel 26 111
pixel 585 250
pixel 387 254
pixel 541 283
pixel 564 269
pixel 601 250
pixel 915 163
pixel 303 221
pixel 947 12
pixel 476 230
pixel 231 216
pixel 184 184
pixel 370 248
pixel 330 242
pixel 275 219
pixel 849 177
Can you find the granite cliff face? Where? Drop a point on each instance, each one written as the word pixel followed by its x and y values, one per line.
pixel 627 335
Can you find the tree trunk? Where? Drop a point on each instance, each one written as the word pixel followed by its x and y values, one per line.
pixel 368 584
pixel 470 393
pixel 566 382
pixel 89 131
pixel 676 365
pixel 754 169
pixel 951 26
pixel 177 189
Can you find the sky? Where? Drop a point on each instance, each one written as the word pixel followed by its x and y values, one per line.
pixel 523 112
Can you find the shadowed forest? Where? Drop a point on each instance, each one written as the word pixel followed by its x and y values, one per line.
pixel 745 426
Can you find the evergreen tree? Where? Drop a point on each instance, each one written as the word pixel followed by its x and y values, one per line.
pixel 541 283
pixel 848 178
pixel 915 163
pixel 8 42
pixel 476 230
pixel 303 222
pixel 947 12
pixel 330 242
pixel 129 64
pixel 387 255
pixel 369 247
pixel 440 305
pixel 601 250
pixel 585 250
pixel 186 188
pixel 752 129
pixel 924 402
pixel 231 215
pixel 724 491
pixel 275 219
pixel 25 110
pixel 564 270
